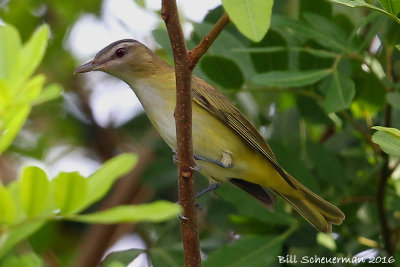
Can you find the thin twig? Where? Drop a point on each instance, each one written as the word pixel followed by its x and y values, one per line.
pixel 196 53
pixel 183 120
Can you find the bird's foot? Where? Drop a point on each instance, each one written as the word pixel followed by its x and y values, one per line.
pixel 175 160
pixel 226 161
pixel 211 188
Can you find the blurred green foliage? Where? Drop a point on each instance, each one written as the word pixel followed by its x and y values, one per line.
pixel 314 86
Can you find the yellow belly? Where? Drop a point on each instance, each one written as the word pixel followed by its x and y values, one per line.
pixel 211 138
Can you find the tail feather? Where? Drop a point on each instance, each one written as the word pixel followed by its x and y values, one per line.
pixel 317 211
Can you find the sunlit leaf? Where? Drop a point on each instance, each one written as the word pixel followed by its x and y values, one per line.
pixel 251 17
pixel 10 45
pixel 34 191
pixel 388 139
pixel 290 78
pixel 27 260
pixel 33 51
pixel 340 93
pixel 7 206
pixel 49 92
pixel 100 182
pixel 69 191
pixel 30 90
pixel 15 236
pixel 154 212
pixel 11 125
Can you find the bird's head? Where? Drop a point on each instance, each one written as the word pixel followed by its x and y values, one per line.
pixel 125 59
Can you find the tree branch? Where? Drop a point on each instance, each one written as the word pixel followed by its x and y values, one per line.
pixel 183 119
pixel 185 62
pixel 196 53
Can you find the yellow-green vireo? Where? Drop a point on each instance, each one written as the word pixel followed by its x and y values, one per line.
pixel 226 145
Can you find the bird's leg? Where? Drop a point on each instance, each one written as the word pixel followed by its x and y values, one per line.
pixel 211 188
pixel 226 160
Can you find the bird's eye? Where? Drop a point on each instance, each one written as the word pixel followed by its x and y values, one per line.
pixel 120 52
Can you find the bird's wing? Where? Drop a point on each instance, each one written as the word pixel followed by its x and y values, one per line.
pixel 219 106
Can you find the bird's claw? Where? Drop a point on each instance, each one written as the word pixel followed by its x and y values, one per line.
pixel 183 217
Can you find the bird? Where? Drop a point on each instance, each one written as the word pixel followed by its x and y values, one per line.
pixel 226 146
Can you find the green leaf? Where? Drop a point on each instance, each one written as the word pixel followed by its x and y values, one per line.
pixel 361 3
pixel 391 6
pixel 326 26
pixel 398 47
pixel 388 139
pixel 247 251
pixel 69 191
pixel 224 45
pixel 11 238
pixel 29 259
pixel 251 17
pixel 290 78
pixel 327 165
pixel 34 191
pixel 124 257
pixel 166 257
pixel 311 32
pixel 33 51
pixel 279 60
pixel 49 92
pixel 154 212
pixel 101 181
pixel 10 45
pixel 350 3
pixel 276 49
pixel 11 124
pixel 30 90
pixel 340 93
pixel 246 205
pixel 7 206
pixel 223 71
pixel 326 240
pixel 393 98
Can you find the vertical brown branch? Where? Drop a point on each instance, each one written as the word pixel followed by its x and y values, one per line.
pixel 185 62
pixel 183 119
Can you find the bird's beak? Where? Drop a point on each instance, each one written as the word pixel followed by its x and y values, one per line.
pixel 90 66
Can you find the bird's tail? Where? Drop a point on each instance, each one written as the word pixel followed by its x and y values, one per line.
pixel 317 211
